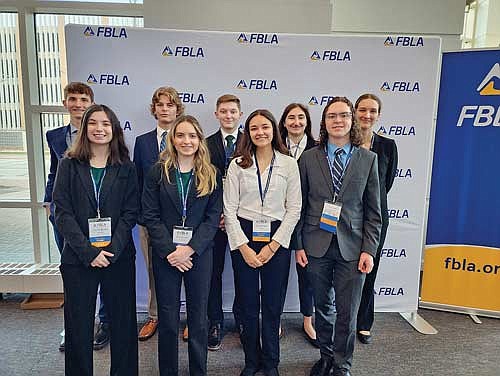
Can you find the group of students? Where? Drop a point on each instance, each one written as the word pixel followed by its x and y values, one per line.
pixel 191 197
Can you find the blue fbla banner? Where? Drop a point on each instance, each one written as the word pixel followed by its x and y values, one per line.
pixel 465 196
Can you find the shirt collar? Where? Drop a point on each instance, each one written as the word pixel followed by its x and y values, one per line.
pixel 159 131
pixel 234 134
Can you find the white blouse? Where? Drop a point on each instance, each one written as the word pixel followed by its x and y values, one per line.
pixel 283 200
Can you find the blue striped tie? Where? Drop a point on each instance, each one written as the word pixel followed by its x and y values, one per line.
pixel 337 169
pixel 163 142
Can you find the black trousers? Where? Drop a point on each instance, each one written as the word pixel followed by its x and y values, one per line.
pixel 80 291
pixel 366 312
pixel 338 281
pixel 262 288
pixel 168 280
pixel 306 293
pixel 215 313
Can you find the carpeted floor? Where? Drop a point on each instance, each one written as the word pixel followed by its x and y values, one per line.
pixel 29 342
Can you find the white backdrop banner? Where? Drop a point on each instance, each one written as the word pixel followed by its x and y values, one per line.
pixel 125 65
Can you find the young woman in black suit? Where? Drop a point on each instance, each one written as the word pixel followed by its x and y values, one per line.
pixel 295 127
pixel 367 113
pixel 96 199
pixel 182 204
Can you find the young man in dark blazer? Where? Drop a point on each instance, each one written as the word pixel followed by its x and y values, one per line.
pixel 222 145
pixel 339 230
pixel 165 107
pixel 77 98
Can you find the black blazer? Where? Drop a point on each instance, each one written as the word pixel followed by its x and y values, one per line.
pixel 56 141
pixel 387 153
pixel 217 152
pixel 162 210
pixel 75 204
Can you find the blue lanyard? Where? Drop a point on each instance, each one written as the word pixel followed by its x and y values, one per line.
pixel 97 190
pixel 184 195
pixel 264 193
pixel 349 155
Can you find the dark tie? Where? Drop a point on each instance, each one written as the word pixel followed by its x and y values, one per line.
pixel 163 142
pixel 337 169
pixel 229 149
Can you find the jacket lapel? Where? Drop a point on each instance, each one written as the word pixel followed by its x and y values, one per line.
pixel 350 170
pixel 173 191
pixel 325 169
pixel 83 169
pixel 221 154
pixel 108 181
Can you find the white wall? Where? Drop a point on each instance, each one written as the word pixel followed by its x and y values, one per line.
pixel 487 27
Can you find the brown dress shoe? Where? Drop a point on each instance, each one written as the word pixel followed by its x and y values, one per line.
pixel 185 334
pixel 148 330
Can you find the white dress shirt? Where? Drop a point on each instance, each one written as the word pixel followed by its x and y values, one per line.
pixel 225 134
pixel 159 134
pixel 283 200
pixel 296 150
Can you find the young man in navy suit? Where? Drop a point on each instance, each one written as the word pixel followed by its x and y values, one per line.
pixel 222 145
pixel 77 98
pixel 165 106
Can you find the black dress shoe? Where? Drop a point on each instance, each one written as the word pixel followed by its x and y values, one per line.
pixel 341 372
pixel 214 337
pixel 364 338
pixel 322 367
pixel 312 341
pixel 61 345
pixel 101 338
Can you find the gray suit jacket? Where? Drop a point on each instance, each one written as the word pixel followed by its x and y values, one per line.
pixel 358 229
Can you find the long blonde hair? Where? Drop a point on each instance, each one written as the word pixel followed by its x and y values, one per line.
pixel 204 172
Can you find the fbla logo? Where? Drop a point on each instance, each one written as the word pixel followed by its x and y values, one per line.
pixel 401 86
pixel 393 252
pixel 398 213
pixel 192 97
pixel 183 51
pixel 258 84
pixel 258 38
pixel 127 125
pixel 397 130
pixel 91 79
pixel 331 55
pixel 484 115
pixel 108 79
pixel 390 291
pixel 88 32
pixel 404 173
pixel 321 101
pixel 167 51
pixel 404 41
pixel 106 32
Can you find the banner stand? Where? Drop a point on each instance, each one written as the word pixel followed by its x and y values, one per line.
pixel 472 312
pixel 418 322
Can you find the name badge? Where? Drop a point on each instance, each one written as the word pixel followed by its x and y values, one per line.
pixel 261 230
pixel 100 232
pixel 182 235
pixel 330 216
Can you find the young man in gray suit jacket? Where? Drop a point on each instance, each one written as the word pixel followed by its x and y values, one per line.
pixel 339 230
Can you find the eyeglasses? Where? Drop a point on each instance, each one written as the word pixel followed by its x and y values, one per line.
pixel 341 116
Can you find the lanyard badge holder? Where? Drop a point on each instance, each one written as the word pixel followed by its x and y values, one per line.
pixel 261 228
pixel 182 234
pixel 99 228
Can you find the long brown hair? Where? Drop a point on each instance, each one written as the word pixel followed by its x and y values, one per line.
pixel 246 148
pixel 204 171
pixel 118 152
pixel 355 133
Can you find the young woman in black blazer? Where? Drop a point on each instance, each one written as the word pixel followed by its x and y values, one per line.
pixel 295 127
pixel 182 204
pixel 96 199
pixel 367 113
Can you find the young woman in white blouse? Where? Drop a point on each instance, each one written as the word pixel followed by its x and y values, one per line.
pixel 262 203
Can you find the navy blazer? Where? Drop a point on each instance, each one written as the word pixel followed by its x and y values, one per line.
pixel 56 141
pixel 162 210
pixel 146 154
pixel 217 151
pixel 75 203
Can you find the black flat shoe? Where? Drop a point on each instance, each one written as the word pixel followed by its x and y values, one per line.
pixel 312 341
pixel 364 338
